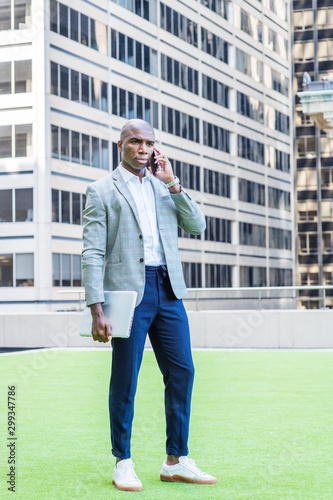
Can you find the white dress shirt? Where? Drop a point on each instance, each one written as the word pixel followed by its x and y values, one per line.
pixel 144 197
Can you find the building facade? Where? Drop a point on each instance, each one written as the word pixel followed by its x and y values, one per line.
pixel 313 53
pixel 213 78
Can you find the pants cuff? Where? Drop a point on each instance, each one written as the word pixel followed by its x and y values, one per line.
pixel 175 451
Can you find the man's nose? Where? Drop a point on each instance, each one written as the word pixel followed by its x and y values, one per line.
pixel 143 147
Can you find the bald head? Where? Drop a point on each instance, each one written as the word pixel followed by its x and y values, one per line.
pixel 135 124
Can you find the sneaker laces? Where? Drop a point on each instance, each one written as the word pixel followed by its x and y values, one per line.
pixel 129 472
pixel 190 463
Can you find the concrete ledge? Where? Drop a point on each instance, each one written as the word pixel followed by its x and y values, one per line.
pixel 228 329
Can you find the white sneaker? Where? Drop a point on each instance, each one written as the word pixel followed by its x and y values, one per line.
pixel 124 477
pixel 185 472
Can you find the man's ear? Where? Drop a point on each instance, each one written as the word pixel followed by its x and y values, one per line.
pixel 120 146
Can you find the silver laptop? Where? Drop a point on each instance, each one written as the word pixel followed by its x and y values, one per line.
pixel 118 308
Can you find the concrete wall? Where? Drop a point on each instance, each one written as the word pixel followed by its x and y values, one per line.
pixel 228 329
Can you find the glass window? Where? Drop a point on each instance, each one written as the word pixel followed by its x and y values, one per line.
pixel 6 270
pixel 122 52
pixel 24 205
pixel 85 149
pixel 65 207
pixel 77 270
pixel 23 76
pixel 104 95
pixel 5 141
pixel 96 92
pixel 22 14
pixel 65 270
pixel 76 208
pixel 138 55
pixel 54 78
pixel 64 85
pixel 105 155
pixel 74 15
pixel 95 152
pixel 25 269
pixel 55 205
pixel 93 38
pixel 84 30
pixel 5 77
pixel 75 86
pixel 85 89
pixel 23 140
pixel 55 141
pixel 64 142
pixel 5 15
pixel 63 19
pixel 6 210
pixel 130 51
pixel 75 147
pixel 56 269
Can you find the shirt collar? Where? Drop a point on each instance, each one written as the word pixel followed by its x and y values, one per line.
pixel 128 176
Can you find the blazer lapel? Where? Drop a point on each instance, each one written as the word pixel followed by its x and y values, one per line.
pixel 122 187
pixel 159 195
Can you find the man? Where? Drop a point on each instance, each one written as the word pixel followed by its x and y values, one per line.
pixel 130 243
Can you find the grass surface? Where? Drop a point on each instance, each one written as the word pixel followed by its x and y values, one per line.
pixel 261 422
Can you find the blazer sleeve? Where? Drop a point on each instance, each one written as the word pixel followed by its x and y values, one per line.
pixel 94 246
pixel 190 217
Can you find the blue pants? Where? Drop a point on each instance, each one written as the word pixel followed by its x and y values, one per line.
pixel 164 318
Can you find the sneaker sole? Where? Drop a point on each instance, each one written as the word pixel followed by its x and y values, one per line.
pixel 181 479
pixel 126 488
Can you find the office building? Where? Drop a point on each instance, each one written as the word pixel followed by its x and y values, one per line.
pixel 313 54
pixel 213 78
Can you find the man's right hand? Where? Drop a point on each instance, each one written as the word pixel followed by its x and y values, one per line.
pixel 101 328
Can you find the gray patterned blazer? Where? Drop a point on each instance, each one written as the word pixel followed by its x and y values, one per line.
pixel 113 250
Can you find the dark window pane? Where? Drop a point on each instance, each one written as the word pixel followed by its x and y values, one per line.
pixel 138 55
pixel 55 141
pixel 130 51
pixel 74 25
pixel 54 78
pixel 6 270
pixel 131 113
pixel 55 205
pixel 93 39
pixel 95 152
pixel 65 207
pixel 77 270
pixel 53 16
pixel 64 144
pixel 114 100
pixel 75 86
pixel 122 53
pixel 63 20
pixel 122 103
pixel 104 97
pixel 76 208
pixel 84 30
pixel 85 149
pixel 114 39
pixel 139 112
pixel 146 59
pixel 85 89
pixel 6 210
pixel 23 205
pixel 64 82
pixel 75 147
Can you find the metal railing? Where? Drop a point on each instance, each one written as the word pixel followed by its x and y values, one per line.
pixel 259 296
pixel 261 289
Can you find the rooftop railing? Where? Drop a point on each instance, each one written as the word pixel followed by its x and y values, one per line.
pixel 260 297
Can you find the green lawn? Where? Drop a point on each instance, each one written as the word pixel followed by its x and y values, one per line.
pixel 262 422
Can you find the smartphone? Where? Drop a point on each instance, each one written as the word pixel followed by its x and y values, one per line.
pixel 152 163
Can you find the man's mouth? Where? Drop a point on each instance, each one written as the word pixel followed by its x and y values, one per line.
pixel 142 160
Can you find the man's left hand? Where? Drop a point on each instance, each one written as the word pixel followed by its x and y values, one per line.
pixel 164 170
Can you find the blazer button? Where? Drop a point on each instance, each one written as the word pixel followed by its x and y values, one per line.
pixel 140 236
pixel 141 260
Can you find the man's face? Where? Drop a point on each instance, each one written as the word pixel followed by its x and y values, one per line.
pixel 136 147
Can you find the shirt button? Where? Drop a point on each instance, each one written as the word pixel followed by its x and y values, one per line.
pixel 140 236
pixel 141 260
